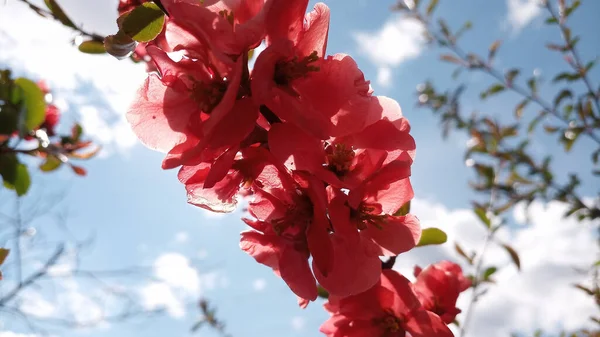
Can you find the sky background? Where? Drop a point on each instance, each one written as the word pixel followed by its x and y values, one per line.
pixel 136 214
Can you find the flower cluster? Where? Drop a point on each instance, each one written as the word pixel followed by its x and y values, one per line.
pixel 324 163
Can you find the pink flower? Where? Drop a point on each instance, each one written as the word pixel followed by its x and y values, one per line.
pixel 438 287
pixel 291 226
pixel 388 309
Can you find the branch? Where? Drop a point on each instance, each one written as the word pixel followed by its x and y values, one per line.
pixel 34 277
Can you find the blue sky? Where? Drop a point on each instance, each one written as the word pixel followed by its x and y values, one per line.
pixel 137 213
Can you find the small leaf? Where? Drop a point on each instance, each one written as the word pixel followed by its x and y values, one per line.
pixel 462 253
pixel 532 84
pixel 80 171
pixel 144 23
pixel 321 292
pixel 572 8
pixel 85 155
pixel 584 289
pixel 119 45
pixel 23 181
pixel 59 13
pixel 50 164
pixel 451 58
pixel 432 236
pixel 551 129
pixel 489 272
pixel 511 75
pixel 31 96
pixel 481 214
pixel 551 20
pixel 92 47
pixel 565 76
pixel 561 96
pixel 494 89
pixel 513 255
pixel 76 132
pixel 431 7
pixel 493 49
pixel 3 254
pixel 520 107
pixel 403 210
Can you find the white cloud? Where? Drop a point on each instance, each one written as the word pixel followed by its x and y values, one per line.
pixel 298 323
pixel 16 334
pixel 541 295
pixel 182 237
pixel 95 89
pixel 384 77
pixel 259 284
pixel 522 12
pixel 33 303
pixel 177 284
pixel 398 40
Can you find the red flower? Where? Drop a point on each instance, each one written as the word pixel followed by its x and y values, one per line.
pixel 438 287
pixel 389 309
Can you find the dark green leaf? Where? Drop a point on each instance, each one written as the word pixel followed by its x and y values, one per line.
pixel 144 23
pixel 92 47
pixel 76 132
pixel 572 8
pixel 511 75
pixel 489 272
pixel 513 255
pixel 551 20
pixel 432 236
pixel 59 13
pixel 50 164
pixel 569 77
pixel 8 167
pixel 9 120
pixel 532 84
pixel 31 96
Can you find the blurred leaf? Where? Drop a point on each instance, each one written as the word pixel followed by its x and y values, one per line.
pixel 403 210
pixel 92 47
pixel 489 272
pixel 534 122
pixel 584 289
pixel 462 253
pixel 572 8
pixel 80 171
pixel 532 84
pixel 8 167
pixel 31 96
pixel 481 214
pixel 321 292
pixel 432 236
pixel 76 132
pixel 85 155
pixel 59 13
pixel 551 20
pixel 3 254
pixel 144 23
pixel 520 107
pixel 595 156
pixel 565 76
pixel 50 164
pixel 119 45
pixel 451 58
pixel 494 89
pixel 431 7
pixel 551 129
pixel 565 93
pixel 553 46
pixel 9 120
pixel 493 49
pixel 513 255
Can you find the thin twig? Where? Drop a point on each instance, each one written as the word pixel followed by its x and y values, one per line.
pixel 34 277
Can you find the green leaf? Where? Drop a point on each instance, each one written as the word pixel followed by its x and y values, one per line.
pixel 513 255
pixel 59 13
pixel 9 120
pixel 92 47
pixel 144 23
pixel 481 214
pixel 76 132
pixel 551 129
pixel 494 89
pixel 31 96
pixel 403 210
pixel 8 167
pixel 3 254
pixel 551 20
pixel 432 236
pixel 23 181
pixel 489 272
pixel 572 8
pixel 532 84
pixel 50 164
pixel 565 93
pixel 462 253
pixel 569 77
